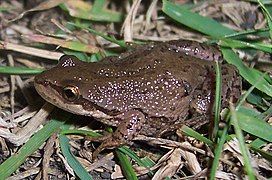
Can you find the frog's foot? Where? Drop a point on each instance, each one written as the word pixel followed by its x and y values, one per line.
pixel 129 127
pixel 108 142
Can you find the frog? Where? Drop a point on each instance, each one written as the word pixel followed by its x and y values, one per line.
pixel 147 91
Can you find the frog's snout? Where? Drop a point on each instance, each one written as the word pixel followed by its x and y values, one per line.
pixel 42 79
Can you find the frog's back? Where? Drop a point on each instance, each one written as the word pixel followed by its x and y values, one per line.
pixel 159 82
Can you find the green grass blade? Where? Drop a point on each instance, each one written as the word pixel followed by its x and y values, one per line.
pixel 98 5
pixel 4 9
pixel 91 133
pixel 126 166
pixel 255 126
pixel 96 12
pixel 190 132
pixel 242 44
pixel 268 17
pixel 215 29
pixel 267 113
pixel 218 151
pixel 79 170
pixel 134 156
pixel 217 101
pixel 256 145
pixel 257 101
pixel 244 150
pixel 80 132
pixel 195 21
pixel 250 74
pixel 242 34
pixel 19 70
pixel 111 39
pixel 148 163
pixel 10 165
pixel 264 154
pixel 219 146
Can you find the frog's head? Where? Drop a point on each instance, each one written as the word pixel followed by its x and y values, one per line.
pixel 66 86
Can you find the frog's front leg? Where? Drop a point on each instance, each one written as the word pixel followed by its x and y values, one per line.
pixel 129 127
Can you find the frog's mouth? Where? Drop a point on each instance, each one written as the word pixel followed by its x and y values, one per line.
pixel 51 95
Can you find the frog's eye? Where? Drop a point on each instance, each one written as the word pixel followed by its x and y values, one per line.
pixel 70 93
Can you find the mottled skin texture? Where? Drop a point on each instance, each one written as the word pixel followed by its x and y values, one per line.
pixel 146 91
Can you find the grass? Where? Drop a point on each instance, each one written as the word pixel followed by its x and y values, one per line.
pixel 243 120
pixel 19 70
pixel 96 12
pixel 79 170
pixel 215 30
pixel 122 153
pixel 11 164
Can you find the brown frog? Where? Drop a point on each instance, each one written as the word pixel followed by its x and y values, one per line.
pixel 147 91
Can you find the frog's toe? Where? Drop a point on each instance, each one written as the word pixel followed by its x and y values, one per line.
pixel 109 142
pixel 98 139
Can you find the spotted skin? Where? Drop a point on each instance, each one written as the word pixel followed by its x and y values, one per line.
pixel 143 91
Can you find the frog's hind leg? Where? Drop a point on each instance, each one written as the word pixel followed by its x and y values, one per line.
pixel 131 123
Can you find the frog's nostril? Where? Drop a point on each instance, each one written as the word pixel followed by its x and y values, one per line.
pixel 46 83
pixel 42 82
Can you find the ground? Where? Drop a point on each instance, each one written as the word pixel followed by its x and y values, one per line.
pixel 36 143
